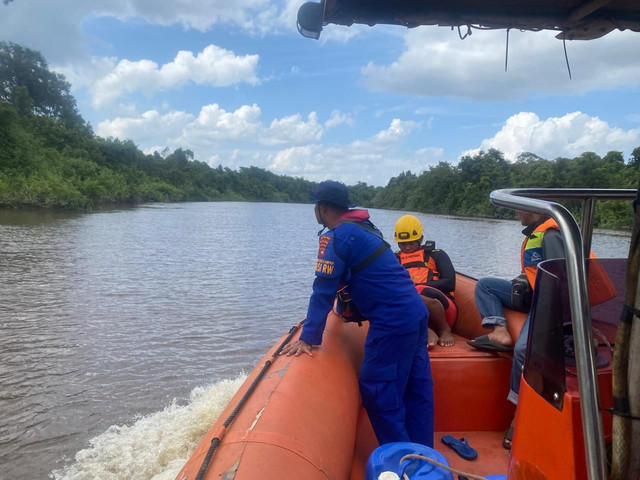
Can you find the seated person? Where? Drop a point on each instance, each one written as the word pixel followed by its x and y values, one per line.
pixel 542 241
pixel 433 276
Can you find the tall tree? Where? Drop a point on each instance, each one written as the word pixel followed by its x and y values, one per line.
pixel 47 93
pixel 634 161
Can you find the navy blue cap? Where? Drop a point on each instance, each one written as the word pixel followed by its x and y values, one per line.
pixel 332 192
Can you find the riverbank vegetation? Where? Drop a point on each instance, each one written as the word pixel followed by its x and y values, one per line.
pixel 464 189
pixel 50 157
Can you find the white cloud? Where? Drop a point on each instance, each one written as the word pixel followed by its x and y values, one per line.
pixel 398 130
pixel 54 27
pixel 151 128
pixel 49 27
pixel 566 136
pixel 430 155
pixel 87 74
pixel 160 149
pixel 373 160
pixel 338 118
pixel 213 128
pixel 214 66
pixel 213 161
pixel 242 138
pixel 340 33
pixel 435 62
pixel 301 161
pixel 196 14
pixel 293 130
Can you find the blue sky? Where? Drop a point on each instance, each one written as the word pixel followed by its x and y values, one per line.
pixel 236 83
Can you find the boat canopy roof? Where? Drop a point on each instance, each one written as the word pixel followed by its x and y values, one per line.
pixel 574 19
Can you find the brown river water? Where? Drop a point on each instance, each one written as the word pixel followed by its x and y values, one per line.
pixel 124 332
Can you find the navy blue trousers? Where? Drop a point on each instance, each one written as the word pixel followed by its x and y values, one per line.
pixel 397 388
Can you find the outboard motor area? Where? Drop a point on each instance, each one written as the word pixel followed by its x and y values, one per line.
pixel 310 19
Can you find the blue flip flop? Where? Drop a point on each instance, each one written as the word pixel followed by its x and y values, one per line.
pixel 460 446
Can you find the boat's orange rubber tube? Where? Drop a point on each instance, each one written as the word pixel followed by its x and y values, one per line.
pixel 300 421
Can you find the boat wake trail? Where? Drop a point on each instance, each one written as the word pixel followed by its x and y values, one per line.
pixel 155 446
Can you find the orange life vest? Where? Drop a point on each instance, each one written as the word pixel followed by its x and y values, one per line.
pixel 531 251
pixel 599 284
pixel 421 266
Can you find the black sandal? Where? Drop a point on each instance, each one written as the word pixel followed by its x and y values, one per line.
pixel 508 437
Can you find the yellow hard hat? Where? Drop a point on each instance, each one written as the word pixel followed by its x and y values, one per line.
pixel 408 229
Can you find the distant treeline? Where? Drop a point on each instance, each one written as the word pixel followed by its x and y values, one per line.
pixel 43 163
pixel 50 157
pixel 464 189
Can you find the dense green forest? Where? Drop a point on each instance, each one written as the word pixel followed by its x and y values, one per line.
pixel 464 189
pixel 50 157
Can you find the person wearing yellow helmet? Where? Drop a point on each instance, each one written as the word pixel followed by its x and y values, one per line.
pixel 433 276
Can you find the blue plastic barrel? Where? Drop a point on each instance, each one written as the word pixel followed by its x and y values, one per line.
pixel 386 458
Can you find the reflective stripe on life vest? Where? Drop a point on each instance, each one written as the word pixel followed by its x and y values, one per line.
pixel 531 252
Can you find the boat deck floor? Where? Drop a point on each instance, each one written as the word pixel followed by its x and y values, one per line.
pixel 493 458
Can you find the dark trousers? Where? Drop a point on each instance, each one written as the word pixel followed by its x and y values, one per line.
pixel 397 388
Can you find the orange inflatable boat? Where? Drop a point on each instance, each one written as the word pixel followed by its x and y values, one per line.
pixel 303 417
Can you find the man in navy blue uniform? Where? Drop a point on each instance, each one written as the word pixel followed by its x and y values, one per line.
pixel 395 377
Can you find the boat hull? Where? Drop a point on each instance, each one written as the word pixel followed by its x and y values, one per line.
pixel 301 419
pixel 305 417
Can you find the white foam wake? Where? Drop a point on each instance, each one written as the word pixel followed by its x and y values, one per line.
pixel 156 446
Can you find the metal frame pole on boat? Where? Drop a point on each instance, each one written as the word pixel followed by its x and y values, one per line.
pixel 519 199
